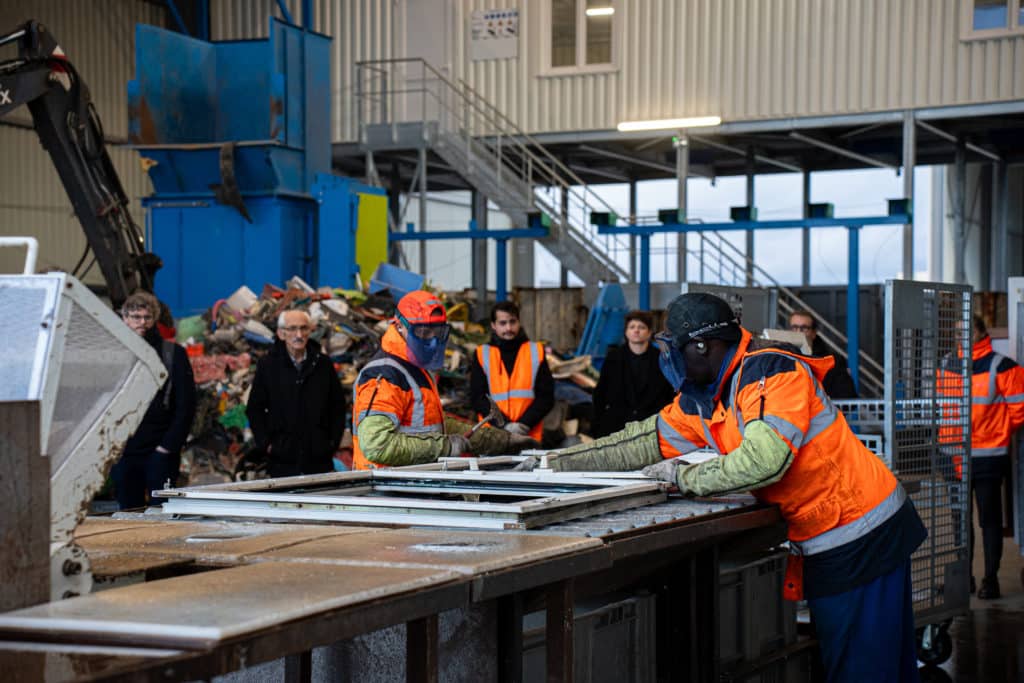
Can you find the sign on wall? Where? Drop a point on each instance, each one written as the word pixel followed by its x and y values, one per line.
pixel 494 34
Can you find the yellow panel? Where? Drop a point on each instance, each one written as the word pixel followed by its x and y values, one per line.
pixel 371 234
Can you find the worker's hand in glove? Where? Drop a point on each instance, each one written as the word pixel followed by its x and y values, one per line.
pixel 457 445
pixel 517 428
pixel 528 464
pixel 520 442
pixel 664 470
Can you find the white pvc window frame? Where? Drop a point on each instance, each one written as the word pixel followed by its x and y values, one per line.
pixel 1014 22
pixel 581 66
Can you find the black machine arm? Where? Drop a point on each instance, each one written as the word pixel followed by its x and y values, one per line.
pixel 70 131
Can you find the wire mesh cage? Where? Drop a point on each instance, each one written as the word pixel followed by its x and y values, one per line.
pixel 922 432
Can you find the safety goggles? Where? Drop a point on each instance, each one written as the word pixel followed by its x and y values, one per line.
pixel 426 331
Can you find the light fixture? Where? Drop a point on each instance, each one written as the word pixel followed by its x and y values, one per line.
pixel 600 11
pixel 670 124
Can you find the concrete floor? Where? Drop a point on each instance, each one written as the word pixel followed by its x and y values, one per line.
pixel 988 644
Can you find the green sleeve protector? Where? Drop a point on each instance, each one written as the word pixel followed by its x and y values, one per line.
pixel 383 444
pixel 632 448
pixel 762 458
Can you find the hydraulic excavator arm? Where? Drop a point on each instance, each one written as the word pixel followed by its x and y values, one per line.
pixel 68 127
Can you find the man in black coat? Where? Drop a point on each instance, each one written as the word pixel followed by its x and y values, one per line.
pixel 296 405
pixel 838 383
pixel 631 387
pixel 152 456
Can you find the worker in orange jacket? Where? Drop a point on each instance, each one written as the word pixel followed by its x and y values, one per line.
pixel 997 411
pixel 397 417
pixel 850 522
pixel 511 371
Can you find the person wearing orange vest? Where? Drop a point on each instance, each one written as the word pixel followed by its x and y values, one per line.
pixel 512 372
pixel 851 526
pixel 397 418
pixel 997 411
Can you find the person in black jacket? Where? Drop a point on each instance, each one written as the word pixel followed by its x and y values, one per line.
pixel 152 456
pixel 296 406
pixel 838 383
pixel 631 386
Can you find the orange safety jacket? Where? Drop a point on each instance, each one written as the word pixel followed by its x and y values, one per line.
pixel 997 401
pixel 391 385
pixel 835 490
pixel 513 393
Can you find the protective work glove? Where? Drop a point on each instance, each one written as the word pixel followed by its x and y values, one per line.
pixel 457 445
pixel 517 428
pixel 528 464
pixel 521 442
pixel 664 471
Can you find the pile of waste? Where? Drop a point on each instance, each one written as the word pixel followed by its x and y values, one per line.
pixel 226 341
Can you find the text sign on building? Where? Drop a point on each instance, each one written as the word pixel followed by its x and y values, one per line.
pixel 494 34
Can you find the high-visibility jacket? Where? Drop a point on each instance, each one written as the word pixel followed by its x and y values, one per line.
pixel 391 385
pixel 997 401
pixel 513 393
pixel 836 490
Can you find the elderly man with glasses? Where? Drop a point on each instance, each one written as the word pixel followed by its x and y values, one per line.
pixel 296 407
pixel 152 456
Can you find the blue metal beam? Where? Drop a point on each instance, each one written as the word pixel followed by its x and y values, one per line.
pixel 285 13
pixel 176 15
pixel 501 237
pixel 656 228
pixel 471 234
pixel 852 224
pixel 853 304
pixel 307 14
pixel 203 19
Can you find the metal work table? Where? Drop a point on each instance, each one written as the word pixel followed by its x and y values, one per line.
pixel 400 576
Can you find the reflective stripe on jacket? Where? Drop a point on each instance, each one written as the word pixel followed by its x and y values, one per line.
pixel 513 393
pixel 390 385
pixel 997 400
pixel 835 490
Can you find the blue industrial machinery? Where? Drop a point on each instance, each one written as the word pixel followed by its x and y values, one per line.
pixel 235 136
pixel 899 214
pixel 605 324
pixel 501 237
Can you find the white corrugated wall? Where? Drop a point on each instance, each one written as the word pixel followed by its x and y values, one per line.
pixel 99 38
pixel 753 59
pixel 361 29
pixel 740 59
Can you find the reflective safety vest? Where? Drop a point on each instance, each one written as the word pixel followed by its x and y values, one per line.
pixel 835 489
pixel 392 386
pixel 513 393
pixel 997 401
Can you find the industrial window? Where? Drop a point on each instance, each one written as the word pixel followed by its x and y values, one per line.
pixel 582 35
pixel 992 18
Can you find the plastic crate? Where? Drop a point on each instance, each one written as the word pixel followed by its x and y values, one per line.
pixel 613 641
pixel 754 619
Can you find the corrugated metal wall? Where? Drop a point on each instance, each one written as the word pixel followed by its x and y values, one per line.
pixel 740 59
pixel 362 29
pixel 99 38
pixel 754 59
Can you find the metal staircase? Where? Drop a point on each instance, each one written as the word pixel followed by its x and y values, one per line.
pixel 407 103
pixel 727 265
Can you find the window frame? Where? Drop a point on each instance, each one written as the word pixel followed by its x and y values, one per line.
pixel 1013 30
pixel 581 67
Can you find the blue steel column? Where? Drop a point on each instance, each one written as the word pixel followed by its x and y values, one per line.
pixel 644 303
pixel 500 269
pixel 853 304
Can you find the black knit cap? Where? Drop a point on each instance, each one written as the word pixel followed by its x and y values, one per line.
pixel 701 315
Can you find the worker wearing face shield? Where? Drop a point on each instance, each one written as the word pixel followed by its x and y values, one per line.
pixel 851 526
pixel 397 415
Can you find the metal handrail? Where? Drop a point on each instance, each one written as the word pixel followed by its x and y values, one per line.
pixel 504 142
pixel 871 372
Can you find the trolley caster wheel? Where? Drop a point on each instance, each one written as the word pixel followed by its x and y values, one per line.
pixel 934 644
